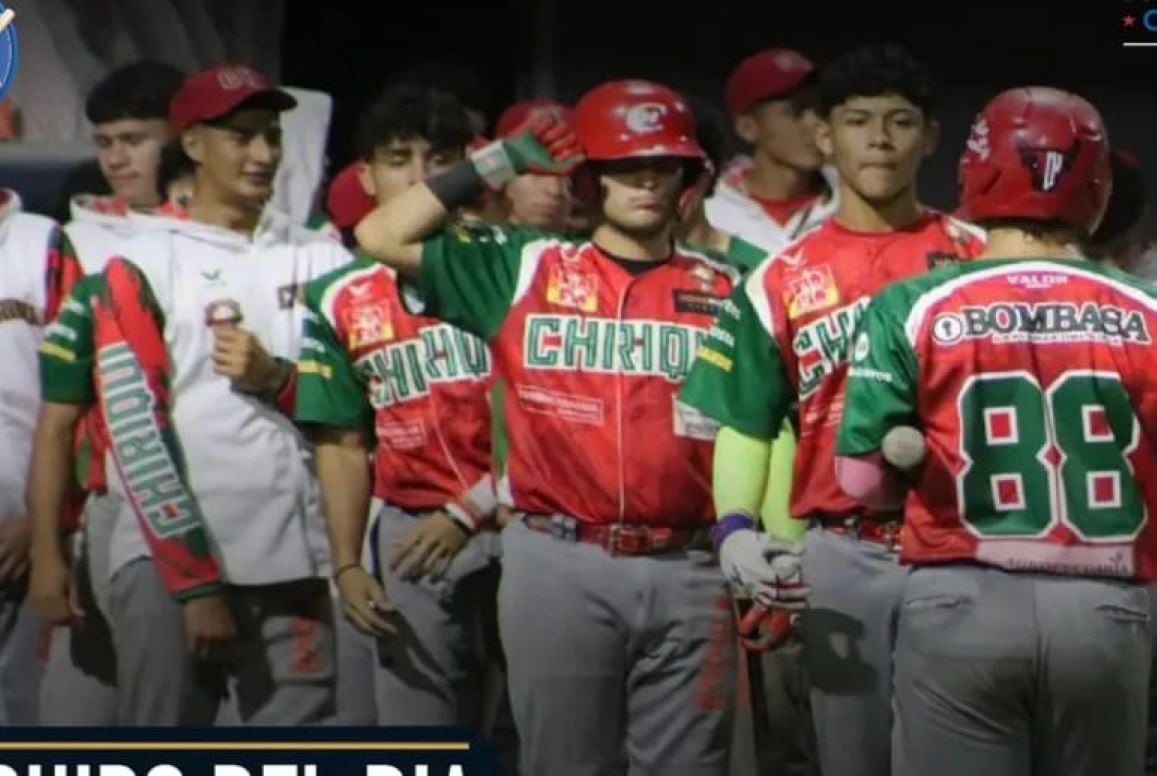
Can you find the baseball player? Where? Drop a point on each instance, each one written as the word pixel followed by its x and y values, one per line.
pixel 1026 382
pixel 217 561
pixel 129 111
pixel 781 190
pixel 613 613
pixel 370 369
pixel 783 740
pixel 784 339
pixel 36 270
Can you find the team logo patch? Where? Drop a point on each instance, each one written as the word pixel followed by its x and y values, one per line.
pixel 571 287
pixel 703 276
pixel 687 301
pixel 367 325
pixel 810 290
pixel 645 117
pixel 288 296
pixel 223 312
pixel 1047 165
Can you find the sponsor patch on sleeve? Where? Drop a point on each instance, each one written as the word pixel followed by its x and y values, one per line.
pixel 701 302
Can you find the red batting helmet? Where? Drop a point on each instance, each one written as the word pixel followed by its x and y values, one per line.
pixel 633 119
pixel 626 119
pixel 1037 153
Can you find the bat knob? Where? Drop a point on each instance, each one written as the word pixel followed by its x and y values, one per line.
pixel 903 447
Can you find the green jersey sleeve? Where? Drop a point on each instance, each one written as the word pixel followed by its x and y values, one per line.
pixel 881 388
pixel 739 377
pixel 330 392
pixel 469 275
pixel 67 354
pixel 743 255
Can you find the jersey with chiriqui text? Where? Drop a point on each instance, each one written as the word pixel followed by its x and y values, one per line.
pixel 419 384
pixel 590 357
pixel 1035 384
pixel 785 335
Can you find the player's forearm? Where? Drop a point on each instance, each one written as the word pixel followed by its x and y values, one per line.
pixel 776 509
pixel 50 476
pixel 344 473
pixel 392 233
pixel 869 480
pixel 739 476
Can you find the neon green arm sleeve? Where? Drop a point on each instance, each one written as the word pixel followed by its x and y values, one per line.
pixel 776 512
pixel 740 472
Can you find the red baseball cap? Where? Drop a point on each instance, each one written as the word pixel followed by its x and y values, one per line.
pixel 347 201
pixel 520 112
pixel 218 91
pixel 765 75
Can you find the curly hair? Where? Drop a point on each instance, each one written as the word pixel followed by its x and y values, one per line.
pixel 874 71
pixel 406 112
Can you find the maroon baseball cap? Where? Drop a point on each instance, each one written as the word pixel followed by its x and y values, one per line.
pixel 218 91
pixel 520 112
pixel 764 76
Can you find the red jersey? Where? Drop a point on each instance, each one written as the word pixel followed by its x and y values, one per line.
pixel 785 338
pixel 590 356
pixel 421 386
pixel 1035 383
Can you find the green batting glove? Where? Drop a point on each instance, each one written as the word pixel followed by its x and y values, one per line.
pixel 545 146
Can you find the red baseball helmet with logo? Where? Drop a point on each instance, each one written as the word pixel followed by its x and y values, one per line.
pixel 635 118
pixel 1037 153
pixel 628 119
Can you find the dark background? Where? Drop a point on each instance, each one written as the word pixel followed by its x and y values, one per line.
pixel 556 48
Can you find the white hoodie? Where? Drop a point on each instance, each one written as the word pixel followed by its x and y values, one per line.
pixel 247 464
pixel 732 210
pixel 25 243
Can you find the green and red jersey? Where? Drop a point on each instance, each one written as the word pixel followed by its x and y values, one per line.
pixel 784 337
pixel 420 385
pixel 1035 384
pixel 590 355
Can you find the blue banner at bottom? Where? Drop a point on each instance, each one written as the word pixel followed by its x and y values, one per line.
pixel 244 751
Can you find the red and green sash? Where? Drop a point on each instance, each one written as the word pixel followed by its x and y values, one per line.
pixel 132 380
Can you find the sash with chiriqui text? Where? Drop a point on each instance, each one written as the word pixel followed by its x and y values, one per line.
pixel 132 379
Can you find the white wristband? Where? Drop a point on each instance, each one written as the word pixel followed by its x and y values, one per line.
pixel 494 165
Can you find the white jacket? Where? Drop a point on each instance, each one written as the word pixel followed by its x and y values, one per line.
pixel 247 465
pixel 25 242
pixel 732 211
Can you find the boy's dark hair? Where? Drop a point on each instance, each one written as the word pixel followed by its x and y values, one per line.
pixel 141 90
pixel 456 78
pixel 407 112
pixel 873 71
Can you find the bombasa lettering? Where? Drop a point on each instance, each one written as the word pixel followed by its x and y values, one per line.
pixel 1043 323
pixel 605 345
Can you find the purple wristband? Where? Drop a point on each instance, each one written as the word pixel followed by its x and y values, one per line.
pixel 729 524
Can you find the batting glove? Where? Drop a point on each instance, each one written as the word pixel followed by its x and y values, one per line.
pixel 764 569
pixel 546 145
